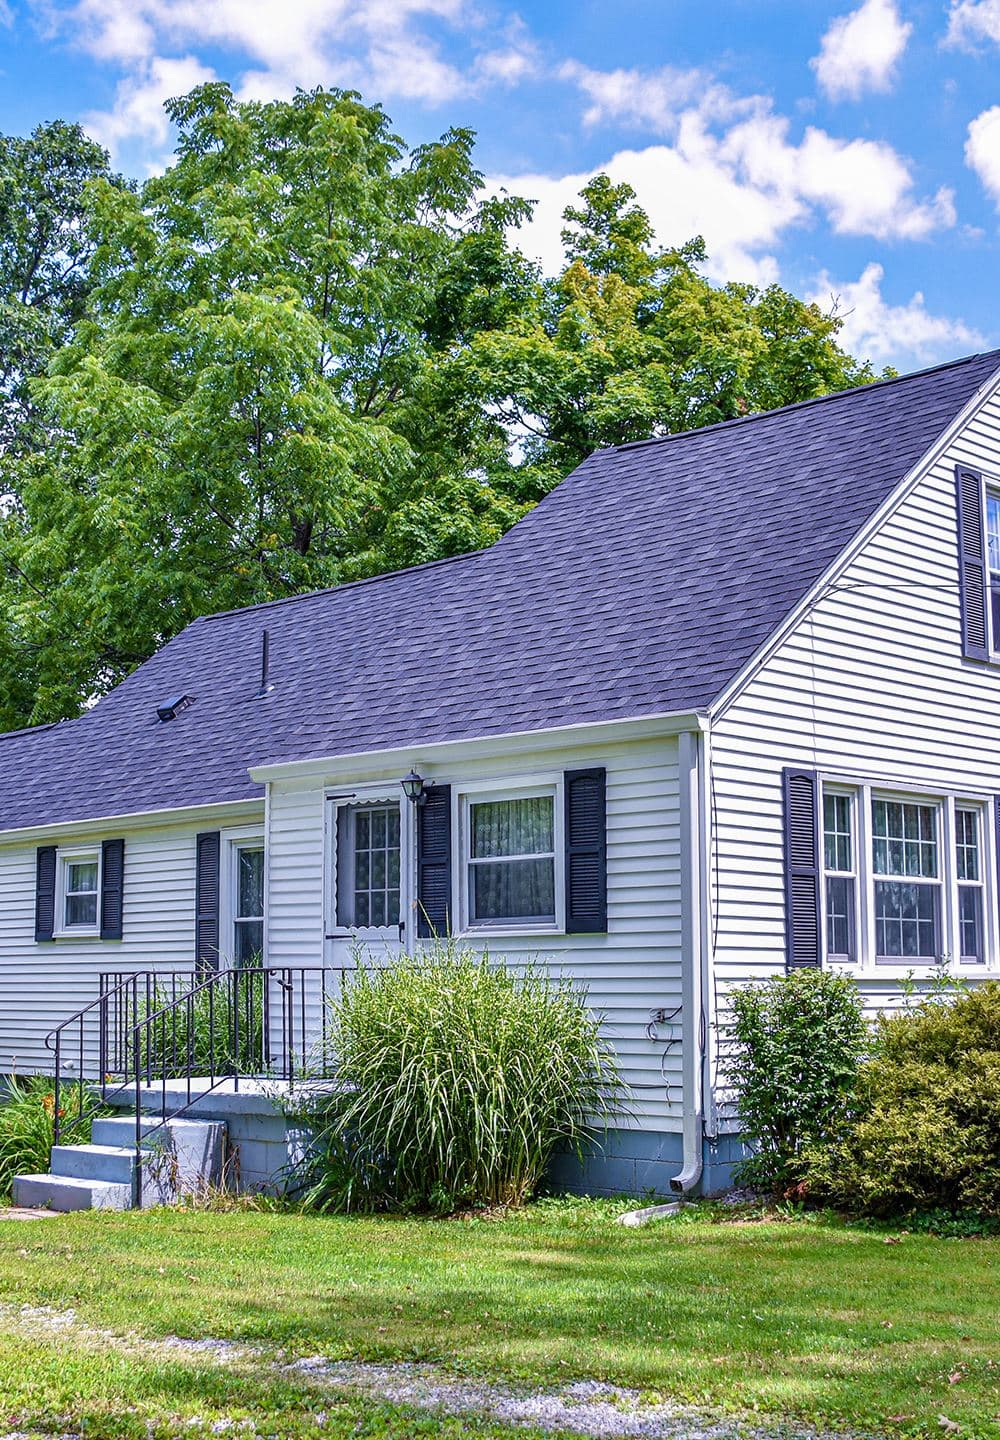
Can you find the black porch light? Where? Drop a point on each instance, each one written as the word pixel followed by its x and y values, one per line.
pixel 413 788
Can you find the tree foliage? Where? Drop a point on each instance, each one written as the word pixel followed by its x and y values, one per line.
pixel 307 353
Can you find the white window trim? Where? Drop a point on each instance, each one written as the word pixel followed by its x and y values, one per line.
pixel 247 837
pixel 66 855
pixel 516 788
pixel 945 803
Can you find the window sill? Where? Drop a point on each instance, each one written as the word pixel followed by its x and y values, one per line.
pixel 84 933
pixel 899 970
pixel 487 932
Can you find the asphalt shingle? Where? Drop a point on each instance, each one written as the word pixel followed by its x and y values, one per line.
pixel 641 585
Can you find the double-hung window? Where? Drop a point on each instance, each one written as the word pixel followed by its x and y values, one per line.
pixel 841 878
pixel 78 892
pixel 248 906
pixel 510 876
pixel 907 880
pixel 904 878
pixel 969 866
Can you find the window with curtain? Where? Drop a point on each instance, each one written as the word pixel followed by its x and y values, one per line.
pixel 511 862
pixel 248 917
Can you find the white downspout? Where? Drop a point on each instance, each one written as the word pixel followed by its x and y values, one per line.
pixel 691 752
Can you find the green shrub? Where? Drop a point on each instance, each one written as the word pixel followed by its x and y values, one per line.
pixel 457 1080
pixel 922 1131
pixel 796 1044
pixel 27 1124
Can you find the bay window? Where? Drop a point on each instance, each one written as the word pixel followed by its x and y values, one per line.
pixel 969 865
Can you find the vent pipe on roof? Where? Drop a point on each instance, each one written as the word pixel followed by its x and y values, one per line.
pixel 265 666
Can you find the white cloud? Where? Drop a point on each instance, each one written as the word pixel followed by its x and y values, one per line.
pixel 295 42
pixel 860 51
pixel 741 187
pixel 863 186
pixel 878 331
pixel 982 150
pixel 972 21
pixel 652 99
pixel 138 112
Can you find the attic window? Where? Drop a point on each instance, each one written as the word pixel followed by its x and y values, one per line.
pixel 170 709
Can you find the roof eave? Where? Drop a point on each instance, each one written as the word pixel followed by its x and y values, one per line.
pixel 514 742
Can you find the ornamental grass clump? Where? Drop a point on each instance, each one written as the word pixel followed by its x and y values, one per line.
pixel 457 1080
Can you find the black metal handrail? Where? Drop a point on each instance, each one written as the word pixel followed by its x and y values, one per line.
pixel 245 1022
pixel 157 1041
pixel 97 1034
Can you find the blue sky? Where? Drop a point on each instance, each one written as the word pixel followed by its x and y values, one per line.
pixel 853 154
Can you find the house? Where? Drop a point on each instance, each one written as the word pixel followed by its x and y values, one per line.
pixel 724 702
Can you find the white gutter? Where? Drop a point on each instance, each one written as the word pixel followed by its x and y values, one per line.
pixel 231 811
pixel 514 742
pixel 692 771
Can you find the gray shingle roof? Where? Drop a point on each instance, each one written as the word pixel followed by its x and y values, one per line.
pixel 642 584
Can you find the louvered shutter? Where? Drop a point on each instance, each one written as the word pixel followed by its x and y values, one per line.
pixel 45 892
pixel 802 872
pixel 112 888
pixel 206 939
pixel 973 588
pixel 586 826
pixel 434 863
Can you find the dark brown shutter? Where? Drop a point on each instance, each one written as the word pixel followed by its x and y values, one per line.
pixel 973 588
pixel 206 930
pixel 586 839
pixel 112 888
pixel 802 872
pixel 434 863
pixel 45 892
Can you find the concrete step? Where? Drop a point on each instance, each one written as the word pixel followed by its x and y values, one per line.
pixel 180 1157
pixel 69 1192
pixel 119 1130
pixel 94 1162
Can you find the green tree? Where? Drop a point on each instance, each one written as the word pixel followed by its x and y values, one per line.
pixel 631 341
pixel 306 353
pixel 250 406
pixel 45 253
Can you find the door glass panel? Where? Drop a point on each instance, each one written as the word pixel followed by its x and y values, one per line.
pixel 368 866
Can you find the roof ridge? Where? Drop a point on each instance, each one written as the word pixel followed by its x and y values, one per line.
pixel 812 400
pixel 336 589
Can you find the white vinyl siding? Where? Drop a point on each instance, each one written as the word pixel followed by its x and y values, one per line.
pixel 42 984
pixel 870 686
pixel 629 973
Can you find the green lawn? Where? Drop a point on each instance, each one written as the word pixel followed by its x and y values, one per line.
pixel 802 1319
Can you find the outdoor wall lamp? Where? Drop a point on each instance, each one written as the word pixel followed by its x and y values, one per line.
pixel 415 788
